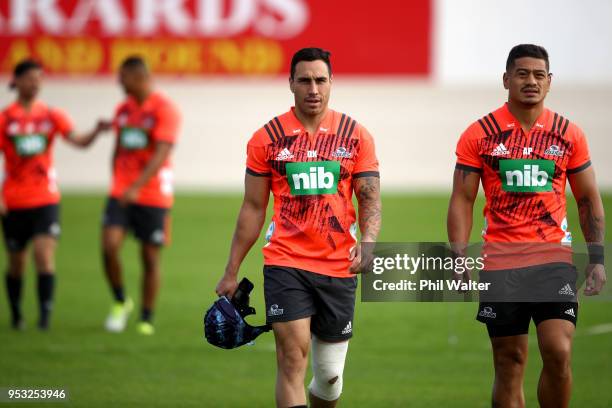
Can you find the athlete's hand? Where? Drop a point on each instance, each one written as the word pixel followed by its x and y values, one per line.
pixel 465 275
pixel 595 279
pixel 227 286
pixel 129 196
pixel 361 257
pixel 103 125
pixel 355 258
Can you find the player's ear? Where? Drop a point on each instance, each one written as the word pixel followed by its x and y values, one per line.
pixel 291 85
pixel 505 80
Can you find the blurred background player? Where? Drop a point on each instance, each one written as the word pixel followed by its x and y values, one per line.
pixel 312 159
pixel 30 197
pixel 141 194
pixel 497 149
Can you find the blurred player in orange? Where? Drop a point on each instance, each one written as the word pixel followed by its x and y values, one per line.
pixel 141 194
pixel 312 159
pixel 523 154
pixel 30 197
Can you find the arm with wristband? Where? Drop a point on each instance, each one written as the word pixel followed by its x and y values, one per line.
pixel 591 214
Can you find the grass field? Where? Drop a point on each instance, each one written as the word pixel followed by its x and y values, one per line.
pixel 402 355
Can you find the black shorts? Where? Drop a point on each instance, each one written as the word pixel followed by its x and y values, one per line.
pixel 20 226
pixel 539 292
pixel 148 224
pixel 293 294
pixel 515 317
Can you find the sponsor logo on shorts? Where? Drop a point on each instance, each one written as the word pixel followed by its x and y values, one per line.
pixel 275 310
pixel 55 229
pixel 487 312
pixel 12 243
pixel 570 312
pixel 158 236
pixel 566 290
pixel 348 329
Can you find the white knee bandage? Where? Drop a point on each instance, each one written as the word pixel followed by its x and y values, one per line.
pixel 327 368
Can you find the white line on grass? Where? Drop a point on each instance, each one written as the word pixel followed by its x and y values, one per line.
pixel 598 329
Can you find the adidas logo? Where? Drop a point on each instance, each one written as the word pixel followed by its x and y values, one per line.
pixel 348 329
pixel 566 290
pixel 570 312
pixel 285 154
pixel 500 150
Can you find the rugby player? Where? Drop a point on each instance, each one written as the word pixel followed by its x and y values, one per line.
pixel 141 194
pixel 523 154
pixel 312 159
pixel 29 204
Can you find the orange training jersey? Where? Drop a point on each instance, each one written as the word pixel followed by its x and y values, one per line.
pixel 139 128
pixel 26 138
pixel 313 226
pixel 524 175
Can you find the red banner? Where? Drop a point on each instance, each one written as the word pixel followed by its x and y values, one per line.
pixel 232 37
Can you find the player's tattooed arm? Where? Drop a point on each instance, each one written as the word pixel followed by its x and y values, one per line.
pixel 590 206
pixel 592 222
pixel 367 190
pixel 461 208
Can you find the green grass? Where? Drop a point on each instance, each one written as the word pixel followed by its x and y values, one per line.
pixel 402 355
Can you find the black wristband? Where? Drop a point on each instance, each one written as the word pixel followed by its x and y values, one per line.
pixel 596 254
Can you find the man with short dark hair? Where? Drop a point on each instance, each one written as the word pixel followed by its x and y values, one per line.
pixel 141 193
pixel 312 159
pixel 29 205
pixel 524 153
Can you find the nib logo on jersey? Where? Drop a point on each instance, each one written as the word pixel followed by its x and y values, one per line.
pixel 30 145
pixel 313 178
pixel 132 138
pixel 526 176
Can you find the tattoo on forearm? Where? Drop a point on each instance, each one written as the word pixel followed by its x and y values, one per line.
pixel 367 190
pixel 593 225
